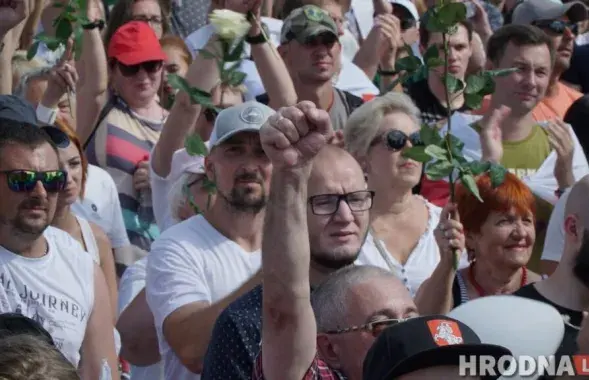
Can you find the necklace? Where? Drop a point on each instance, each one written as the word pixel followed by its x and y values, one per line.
pixel 480 289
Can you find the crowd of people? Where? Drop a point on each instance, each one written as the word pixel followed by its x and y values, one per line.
pixel 280 232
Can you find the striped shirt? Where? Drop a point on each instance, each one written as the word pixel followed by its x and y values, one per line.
pixel 121 142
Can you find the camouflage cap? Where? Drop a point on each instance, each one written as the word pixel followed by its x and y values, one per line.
pixel 305 22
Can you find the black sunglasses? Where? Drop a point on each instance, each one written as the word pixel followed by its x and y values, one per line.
pixel 59 138
pixel 323 39
pixel 21 181
pixel 396 140
pixel 150 67
pixel 557 26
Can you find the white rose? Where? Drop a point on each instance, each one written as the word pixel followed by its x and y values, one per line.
pixel 229 25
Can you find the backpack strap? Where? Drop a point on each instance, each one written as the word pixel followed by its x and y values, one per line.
pixel 110 104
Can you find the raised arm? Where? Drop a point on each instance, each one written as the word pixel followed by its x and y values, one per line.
pixel 91 92
pixel 291 138
pixel 12 15
pixel 203 74
pixel 434 296
pixel 273 72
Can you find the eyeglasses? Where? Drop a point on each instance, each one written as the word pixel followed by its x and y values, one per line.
pixel 396 140
pixel 188 194
pixel 148 19
pixel 328 204
pixel 21 181
pixel 375 328
pixel 150 67
pixel 557 26
pixel 59 138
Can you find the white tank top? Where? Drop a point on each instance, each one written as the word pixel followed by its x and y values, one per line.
pixel 56 290
pixel 89 239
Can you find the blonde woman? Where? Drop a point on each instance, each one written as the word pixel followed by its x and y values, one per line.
pixel 402 224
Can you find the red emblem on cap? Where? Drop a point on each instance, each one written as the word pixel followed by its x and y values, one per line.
pixel 445 332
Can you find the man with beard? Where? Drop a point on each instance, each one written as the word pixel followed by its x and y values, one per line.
pixel 567 288
pixel 235 341
pixel 560 22
pixel 201 265
pixel 44 273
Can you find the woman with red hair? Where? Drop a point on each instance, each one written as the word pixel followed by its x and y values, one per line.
pixel 498 235
pixel 89 235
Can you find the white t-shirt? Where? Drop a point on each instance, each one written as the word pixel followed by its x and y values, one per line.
pixel 192 262
pixel 56 290
pixel 101 205
pixel 133 282
pixel 554 242
pixel 422 261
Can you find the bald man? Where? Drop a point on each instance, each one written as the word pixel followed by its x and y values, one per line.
pixel 335 235
pixel 567 288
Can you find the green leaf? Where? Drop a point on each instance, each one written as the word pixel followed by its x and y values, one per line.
pixel 474 101
pixel 475 83
pixel 235 78
pixel 179 83
pixel 420 74
pixel 198 96
pixel 497 175
pixel 63 29
pixel 478 167
pixel 236 54
pixel 451 14
pixel 439 170
pixel 78 42
pixel 430 136
pixel 32 52
pixel 453 84
pixel 206 54
pixel 456 144
pixel 432 53
pixel 502 72
pixel 417 153
pixel 436 152
pixel 489 85
pixel 400 79
pixel 195 146
pixel 432 23
pixel 470 183
pixel 409 64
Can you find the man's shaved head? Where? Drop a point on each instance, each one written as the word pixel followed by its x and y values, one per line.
pixel 578 201
pixel 576 227
pixel 336 239
pixel 334 164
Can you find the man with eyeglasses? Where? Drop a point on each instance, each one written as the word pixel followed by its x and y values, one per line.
pixel 337 208
pixel 560 22
pixel 44 273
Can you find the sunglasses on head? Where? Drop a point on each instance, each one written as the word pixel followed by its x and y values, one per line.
pixel 149 67
pixel 396 140
pixel 21 181
pixel 557 26
pixel 59 138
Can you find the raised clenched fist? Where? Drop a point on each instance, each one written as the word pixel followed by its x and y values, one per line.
pixel 294 135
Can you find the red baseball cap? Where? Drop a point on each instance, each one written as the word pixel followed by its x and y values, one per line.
pixel 134 43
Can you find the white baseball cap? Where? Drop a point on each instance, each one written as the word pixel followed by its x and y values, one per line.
pixel 407 4
pixel 524 326
pixel 245 117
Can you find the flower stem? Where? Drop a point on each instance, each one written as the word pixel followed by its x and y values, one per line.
pixel 448 134
pixel 251 17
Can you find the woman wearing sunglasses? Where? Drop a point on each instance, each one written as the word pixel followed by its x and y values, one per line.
pixel 499 236
pixel 88 234
pixel 402 224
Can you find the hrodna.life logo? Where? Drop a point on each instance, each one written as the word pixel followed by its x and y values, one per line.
pixel 523 366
